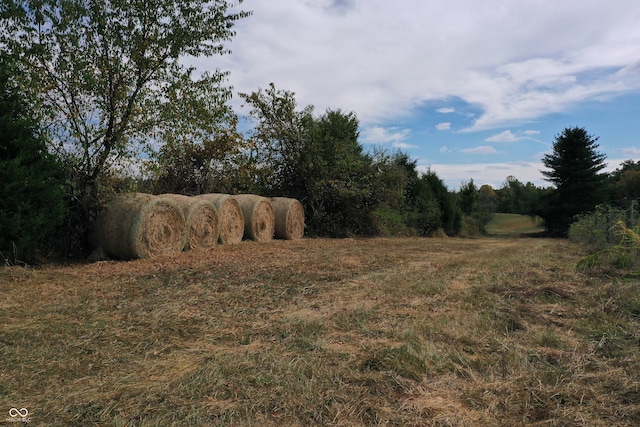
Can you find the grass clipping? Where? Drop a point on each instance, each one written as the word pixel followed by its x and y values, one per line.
pixel 259 219
pixel 136 225
pixel 201 217
pixel 289 215
pixel 230 217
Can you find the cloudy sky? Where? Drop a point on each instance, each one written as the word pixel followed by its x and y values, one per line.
pixel 472 89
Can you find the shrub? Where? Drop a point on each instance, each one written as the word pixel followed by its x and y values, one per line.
pixel 433 190
pixel 32 195
pixel 598 230
pixel 390 222
pixel 610 237
pixel 472 227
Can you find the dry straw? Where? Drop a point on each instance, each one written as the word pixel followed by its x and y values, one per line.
pixel 201 217
pixel 259 219
pixel 230 217
pixel 137 225
pixel 289 218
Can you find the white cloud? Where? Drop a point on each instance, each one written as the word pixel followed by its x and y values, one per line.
pixel 446 110
pixel 483 149
pixel 381 135
pixel 403 145
pixel 632 152
pixel 493 174
pixel 443 126
pixel 444 149
pixel 531 132
pixel 505 136
pixel 496 57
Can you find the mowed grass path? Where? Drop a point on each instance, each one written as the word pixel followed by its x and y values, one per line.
pixel 401 331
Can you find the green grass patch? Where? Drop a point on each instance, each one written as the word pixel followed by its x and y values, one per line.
pixel 504 224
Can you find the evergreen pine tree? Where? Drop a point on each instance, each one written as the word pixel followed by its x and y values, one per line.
pixel 574 169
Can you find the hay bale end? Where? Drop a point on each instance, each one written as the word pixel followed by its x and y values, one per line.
pixel 289 215
pixel 230 217
pixel 259 219
pixel 137 225
pixel 201 217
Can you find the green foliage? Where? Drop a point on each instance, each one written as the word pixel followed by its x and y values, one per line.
pixel 450 214
pixel 423 212
pixel 317 160
pixel 518 198
pixel 594 231
pixel 395 175
pixel 212 165
pixel 574 169
pixel 468 197
pixel 408 203
pixel 616 257
pixel 475 220
pixel 109 77
pixel 279 142
pixel 32 192
pixel 471 228
pixel 625 183
pixel 391 222
pixel 487 203
pixel 345 191
pixel 341 193
pixel 611 235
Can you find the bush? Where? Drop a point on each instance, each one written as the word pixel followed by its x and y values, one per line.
pixel 32 194
pixel 432 196
pixel 472 228
pixel 597 230
pixel 389 222
pixel 610 236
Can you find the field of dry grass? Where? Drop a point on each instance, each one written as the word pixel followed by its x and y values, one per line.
pixel 401 331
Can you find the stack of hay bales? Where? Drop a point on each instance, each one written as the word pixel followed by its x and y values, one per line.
pixel 137 225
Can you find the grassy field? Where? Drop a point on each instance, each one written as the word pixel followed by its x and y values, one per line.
pixel 511 225
pixel 402 331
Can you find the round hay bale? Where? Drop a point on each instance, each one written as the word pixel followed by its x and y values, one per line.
pixel 289 218
pixel 230 217
pixel 259 219
pixel 137 225
pixel 201 217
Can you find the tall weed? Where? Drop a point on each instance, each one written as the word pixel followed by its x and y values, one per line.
pixel 611 235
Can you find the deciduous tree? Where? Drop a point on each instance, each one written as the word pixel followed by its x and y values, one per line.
pixel 110 77
pixel 625 183
pixel 487 203
pixel 316 159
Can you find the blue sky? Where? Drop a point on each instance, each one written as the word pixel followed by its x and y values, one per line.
pixel 472 90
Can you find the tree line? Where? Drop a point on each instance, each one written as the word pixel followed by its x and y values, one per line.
pixel 574 168
pixel 96 100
